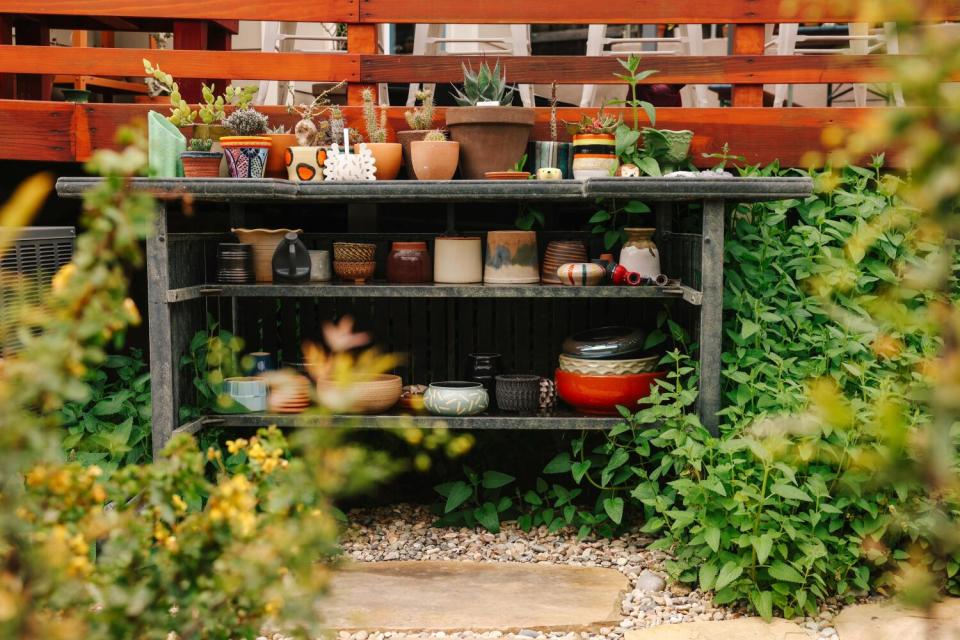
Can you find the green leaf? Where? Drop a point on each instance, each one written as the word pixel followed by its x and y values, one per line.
pixel 600 216
pixel 708 576
pixel 495 479
pixel 531 497
pixel 728 573
pixel 762 545
pixel 460 492
pixel 559 464
pixel 579 469
pixel 790 492
pixel 748 328
pixel 651 112
pixel 635 206
pixel 488 517
pixel 649 166
pixel 611 238
pixel 712 537
pixel 614 508
pixel 785 572
pixel 763 602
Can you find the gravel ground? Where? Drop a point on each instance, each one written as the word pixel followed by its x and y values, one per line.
pixel 403 532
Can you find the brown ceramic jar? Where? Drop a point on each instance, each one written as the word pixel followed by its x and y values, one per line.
pixel 409 263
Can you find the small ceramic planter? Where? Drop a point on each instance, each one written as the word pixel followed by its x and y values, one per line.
pixel 201 164
pixel 434 159
pixel 456 398
pixel 560 252
pixel 409 263
pixel 457 261
pixel 387 157
pixel 246 155
pixel 304 164
pixel 407 138
pixel 676 143
pixel 581 274
pixel 484 368
pixel 552 155
pixel 276 160
pixel 639 253
pixel 520 393
pixel 511 258
pixel 251 393
pixel 594 155
pixel 320 266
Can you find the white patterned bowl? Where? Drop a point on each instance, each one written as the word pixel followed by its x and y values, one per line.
pixel 456 398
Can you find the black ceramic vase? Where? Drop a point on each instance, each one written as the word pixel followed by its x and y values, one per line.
pixel 291 261
pixel 483 368
pixel 518 392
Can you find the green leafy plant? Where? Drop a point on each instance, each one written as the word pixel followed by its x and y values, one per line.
pixel 213 107
pixel 612 218
pixel 724 156
pixel 486 85
pixel 421 118
pixel 213 355
pixel 477 500
pixel 629 144
pixel 528 217
pixel 520 164
pixel 200 144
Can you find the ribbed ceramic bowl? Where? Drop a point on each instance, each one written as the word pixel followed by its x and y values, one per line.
pixel 518 392
pixel 608 367
pixel 358 272
pixel 353 251
pixel 368 396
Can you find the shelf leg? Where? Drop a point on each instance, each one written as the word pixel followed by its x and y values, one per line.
pixel 238 220
pixel 162 359
pixel 711 313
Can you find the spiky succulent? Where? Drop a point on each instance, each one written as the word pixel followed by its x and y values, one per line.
pixel 376 126
pixel 600 123
pixel 247 122
pixel 200 144
pixel 436 135
pixel 485 85
pixel 421 118
pixel 278 130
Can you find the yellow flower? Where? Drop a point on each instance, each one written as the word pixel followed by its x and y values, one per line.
pixel 94 471
pixel 36 476
pixel 233 446
pixel 213 454
pixel 97 493
pixel 133 314
pixel 63 276
pixel 171 544
pixel 269 465
pixel 178 504
pixel 79 566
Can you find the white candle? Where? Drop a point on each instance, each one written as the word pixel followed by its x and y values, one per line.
pixel 346 140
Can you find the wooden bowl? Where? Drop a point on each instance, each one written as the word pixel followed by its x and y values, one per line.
pixel 354 251
pixel 358 272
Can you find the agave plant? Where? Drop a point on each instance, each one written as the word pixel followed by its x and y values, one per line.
pixel 485 85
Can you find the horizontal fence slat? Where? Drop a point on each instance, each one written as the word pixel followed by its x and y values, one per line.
pixel 249 65
pixel 291 10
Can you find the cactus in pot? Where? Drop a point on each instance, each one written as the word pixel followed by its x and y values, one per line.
pixel 386 155
pixel 434 157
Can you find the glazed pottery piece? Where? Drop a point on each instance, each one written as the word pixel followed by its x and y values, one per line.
pixel 600 395
pixel 409 263
pixel 257 362
pixel 594 155
pixel 605 343
pixel 457 260
pixel 507 175
pixel 560 252
pixel 434 159
pixel 369 395
pixel 511 258
pixel 291 261
pixel 549 173
pixel 456 398
pixel 277 158
pixel 287 392
pixel 518 392
pixel 234 263
pixel 629 366
pixel 246 155
pixel 354 251
pixel 357 272
pixel 548 394
pixel 387 157
pixel 201 164
pixel 304 164
pixel 491 138
pixel 581 274
pixel 675 144
pixel 250 393
pixel 165 143
pixel 552 155
pixel 483 368
pixel 264 242
pixel 320 265
pixel 407 138
pixel 639 254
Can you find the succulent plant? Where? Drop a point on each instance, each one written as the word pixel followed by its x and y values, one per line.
pixel 600 123
pixel 181 115
pixel 437 135
pixel 200 144
pixel 421 118
pixel 211 110
pixel 278 130
pixel 376 125
pixel 308 132
pixel 247 122
pixel 485 85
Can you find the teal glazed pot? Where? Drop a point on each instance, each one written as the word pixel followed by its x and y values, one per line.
pixel 455 399
pixel 555 155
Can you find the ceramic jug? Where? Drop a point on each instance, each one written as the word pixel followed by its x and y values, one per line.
pixel 291 260
pixel 639 254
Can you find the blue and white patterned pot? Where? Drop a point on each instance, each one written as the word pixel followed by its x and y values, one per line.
pixel 456 398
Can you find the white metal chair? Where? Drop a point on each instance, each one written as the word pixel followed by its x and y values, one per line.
pixel 689 41
pixel 860 39
pixel 281 36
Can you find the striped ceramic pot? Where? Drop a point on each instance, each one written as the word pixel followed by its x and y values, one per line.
pixel 456 398
pixel 246 155
pixel 560 252
pixel 581 274
pixel 594 155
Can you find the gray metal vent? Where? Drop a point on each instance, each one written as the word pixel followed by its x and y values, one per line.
pixel 25 272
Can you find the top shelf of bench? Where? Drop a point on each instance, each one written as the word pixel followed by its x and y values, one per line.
pixel 648 189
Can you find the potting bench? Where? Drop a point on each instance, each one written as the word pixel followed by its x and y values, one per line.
pixel 435 324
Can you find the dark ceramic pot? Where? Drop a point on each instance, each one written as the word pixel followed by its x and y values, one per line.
pixel 409 263
pixel 517 392
pixel 234 263
pixel 291 260
pixel 483 368
pixel 605 343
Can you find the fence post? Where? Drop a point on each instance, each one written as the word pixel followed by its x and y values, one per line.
pixel 361 40
pixel 748 40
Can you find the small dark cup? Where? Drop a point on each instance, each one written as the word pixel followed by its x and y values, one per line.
pixel 518 392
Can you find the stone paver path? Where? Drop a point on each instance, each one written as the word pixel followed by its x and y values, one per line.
pixel 453 596
pixel 738 629
pixel 888 621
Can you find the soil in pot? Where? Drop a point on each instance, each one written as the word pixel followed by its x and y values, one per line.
pixel 491 138
pixel 433 159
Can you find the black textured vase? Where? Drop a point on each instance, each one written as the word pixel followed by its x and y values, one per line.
pixel 291 261
pixel 483 368
pixel 518 392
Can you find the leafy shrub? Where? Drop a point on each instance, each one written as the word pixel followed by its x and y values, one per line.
pixel 478 500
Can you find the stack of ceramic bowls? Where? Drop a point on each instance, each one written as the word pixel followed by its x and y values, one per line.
pixel 354 261
pixel 234 263
pixel 250 393
pixel 606 367
pixel 288 392
pixel 558 253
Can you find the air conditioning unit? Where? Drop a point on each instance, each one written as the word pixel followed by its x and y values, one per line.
pixel 26 269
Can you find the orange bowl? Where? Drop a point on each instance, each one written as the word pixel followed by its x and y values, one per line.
pixel 600 395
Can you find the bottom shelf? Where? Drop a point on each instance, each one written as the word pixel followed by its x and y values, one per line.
pixel 557 420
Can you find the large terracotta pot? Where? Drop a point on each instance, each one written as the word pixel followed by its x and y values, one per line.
pixel 264 243
pixel 491 138
pixel 434 159
pixel 279 143
pixel 246 155
pixel 511 258
pixel 405 138
pixel 387 156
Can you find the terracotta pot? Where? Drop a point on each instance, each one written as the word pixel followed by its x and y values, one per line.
pixel 457 261
pixel 304 164
pixel 264 242
pixel 387 157
pixel 639 253
pixel 594 155
pixel 511 258
pixel 201 164
pixel 600 395
pixel 434 159
pixel 491 138
pixel 405 138
pixel 276 161
pixel 246 155
pixel 560 252
pixel 409 263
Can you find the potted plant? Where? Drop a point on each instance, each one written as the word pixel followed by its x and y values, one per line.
pixel 491 134
pixel 594 145
pixel 386 155
pixel 199 161
pixel 420 121
pixel 248 148
pixel 434 157
pixel 552 154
